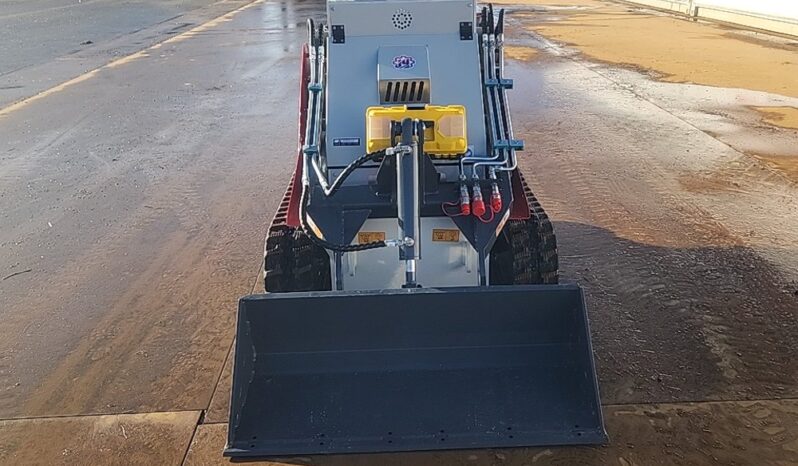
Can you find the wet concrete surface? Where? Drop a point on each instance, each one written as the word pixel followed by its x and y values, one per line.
pixel 46 69
pixel 134 203
pixel 33 32
pixel 116 195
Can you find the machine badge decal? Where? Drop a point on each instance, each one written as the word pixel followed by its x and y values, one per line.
pixel 404 62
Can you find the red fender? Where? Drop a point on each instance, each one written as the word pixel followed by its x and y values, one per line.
pixel 520 208
pixel 295 189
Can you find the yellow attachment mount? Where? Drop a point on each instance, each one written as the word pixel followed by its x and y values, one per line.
pixel 445 136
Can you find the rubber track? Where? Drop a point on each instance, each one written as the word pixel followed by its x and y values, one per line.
pixel 291 261
pixel 526 251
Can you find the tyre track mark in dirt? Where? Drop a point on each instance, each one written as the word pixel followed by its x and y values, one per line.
pixel 681 308
pixel 739 171
pixel 765 189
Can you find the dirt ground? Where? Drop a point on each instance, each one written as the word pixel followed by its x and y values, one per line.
pixel 520 53
pixel 784 117
pixel 672 48
pixel 151 438
pixel 134 201
pixel 683 434
pixel 676 49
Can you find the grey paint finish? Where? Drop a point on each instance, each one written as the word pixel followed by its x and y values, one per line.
pixel 384 18
pixel 417 69
pixel 352 81
pixel 442 263
pixel 315 371
pixel 403 74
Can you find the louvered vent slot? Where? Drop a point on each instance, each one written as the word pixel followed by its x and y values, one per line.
pixel 396 88
pixel 405 92
pixel 388 90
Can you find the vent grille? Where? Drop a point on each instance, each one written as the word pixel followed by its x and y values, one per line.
pixel 402 19
pixel 407 91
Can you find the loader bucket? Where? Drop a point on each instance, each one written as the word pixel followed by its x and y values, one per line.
pixel 421 369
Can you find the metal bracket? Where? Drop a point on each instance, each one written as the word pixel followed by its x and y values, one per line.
pixel 516 144
pixel 338 34
pixel 466 30
pixel 500 83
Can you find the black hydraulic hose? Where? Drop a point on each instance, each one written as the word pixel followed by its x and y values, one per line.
pixel 360 161
pixel 303 220
pixel 303 203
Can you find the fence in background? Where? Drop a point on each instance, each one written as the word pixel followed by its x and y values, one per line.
pixel 779 16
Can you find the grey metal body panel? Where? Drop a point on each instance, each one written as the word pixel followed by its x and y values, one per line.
pixel 418 369
pixel 442 264
pixel 355 69
pixel 376 17
pixel 352 70
pixel 403 74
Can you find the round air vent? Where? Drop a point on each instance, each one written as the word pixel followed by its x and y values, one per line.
pixel 402 19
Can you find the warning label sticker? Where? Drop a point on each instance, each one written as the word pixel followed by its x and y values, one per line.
pixel 447 236
pixel 370 236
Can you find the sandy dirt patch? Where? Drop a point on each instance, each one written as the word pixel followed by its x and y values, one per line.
pixel 520 53
pixel 676 49
pixel 154 438
pixel 784 117
pixel 551 3
pixel 786 164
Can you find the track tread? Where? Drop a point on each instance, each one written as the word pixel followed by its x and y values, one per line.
pixel 292 262
pixel 526 251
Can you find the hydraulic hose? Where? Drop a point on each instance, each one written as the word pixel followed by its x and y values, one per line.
pixel 312 132
pixel 305 198
pixel 360 161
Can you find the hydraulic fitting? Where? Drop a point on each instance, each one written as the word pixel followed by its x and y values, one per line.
pixel 477 204
pixel 495 198
pixel 465 199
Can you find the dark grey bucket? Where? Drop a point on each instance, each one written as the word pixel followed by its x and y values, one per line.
pixel 421 369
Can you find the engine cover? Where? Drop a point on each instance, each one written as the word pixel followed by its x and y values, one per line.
pixel 375 43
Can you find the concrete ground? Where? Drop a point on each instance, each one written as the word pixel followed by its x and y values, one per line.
pixel 135 190
pixel 33 32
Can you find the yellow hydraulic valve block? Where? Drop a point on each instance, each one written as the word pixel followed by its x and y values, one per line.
pixel 445 135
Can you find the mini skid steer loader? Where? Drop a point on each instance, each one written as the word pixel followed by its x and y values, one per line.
pixel 411 275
